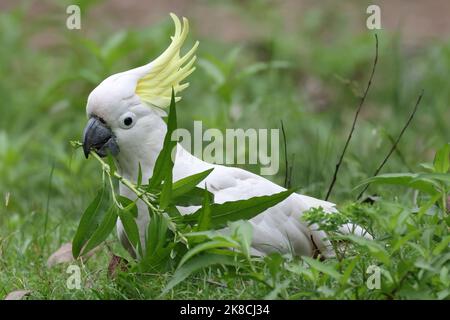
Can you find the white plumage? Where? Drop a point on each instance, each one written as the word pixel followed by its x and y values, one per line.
pixel 278 229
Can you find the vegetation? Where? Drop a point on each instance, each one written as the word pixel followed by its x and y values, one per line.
pixel 309 83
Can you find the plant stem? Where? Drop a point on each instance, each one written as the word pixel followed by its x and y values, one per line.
pixel 395 144
pixel 347 142
pixel 142 195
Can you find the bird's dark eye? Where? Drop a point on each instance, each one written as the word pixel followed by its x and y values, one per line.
pixel 128 121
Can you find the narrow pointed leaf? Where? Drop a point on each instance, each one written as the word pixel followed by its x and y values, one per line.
pixel 226 212
pixel 206 246
pixel 87 224
pixel 164 162
pixel 204 220
pixel 166 192
pixel 103 231
pixel 193 197
pixel 374 247
pixel 322 267
pixel 112 165
pixel 242 231
pixel 131 228
pixel 405 179
pixel 139 178
pixel 187 184
pixel 128 205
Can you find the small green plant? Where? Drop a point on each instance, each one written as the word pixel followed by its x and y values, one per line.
pixel 434 183
pixel 411 246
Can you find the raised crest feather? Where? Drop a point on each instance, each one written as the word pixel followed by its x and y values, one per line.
pixel 168 70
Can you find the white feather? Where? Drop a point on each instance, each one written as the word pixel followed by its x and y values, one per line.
pixel 278 229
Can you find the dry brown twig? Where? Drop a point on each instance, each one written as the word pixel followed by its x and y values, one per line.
pixel 395 144
pixel 347 142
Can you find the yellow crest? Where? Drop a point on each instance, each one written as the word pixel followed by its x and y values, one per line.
pixel 168 70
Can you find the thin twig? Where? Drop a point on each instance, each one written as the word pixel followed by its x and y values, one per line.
pixel 398 152
pixel 223 285
pixel 394 146
pixel 338 165
pixel 286 164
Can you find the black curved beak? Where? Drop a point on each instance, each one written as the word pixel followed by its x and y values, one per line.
pixel 99 137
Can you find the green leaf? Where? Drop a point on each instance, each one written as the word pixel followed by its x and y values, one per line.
pixel 429 204
pixel 164 162
pixel 156 234
pixel 242 231
pixel 189 183
pixel 374 248
pixel 193 197
pixel 186 193
pixel 139 178
pixel 274 263
pixel 209 234
pixel 207 246
pixel 442 177
pixel 166 192
pixel 158 246
pixel 442 246
pixel 173 212
pixel 128 205
pixel 348 271
pixel 405 179
pixel 427 166
pixel 441 160
pixel 111 163
pixel 87 224
pixel 131 228
pixel 103 231
pixel 196 264
pixel 158 259
pixel 320 266
pixel 402 240
pixel 226 212
pixel 204 220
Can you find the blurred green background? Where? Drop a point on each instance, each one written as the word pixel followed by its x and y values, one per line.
pixel 260 62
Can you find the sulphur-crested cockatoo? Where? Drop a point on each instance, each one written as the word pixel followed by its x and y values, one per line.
pixel 126 113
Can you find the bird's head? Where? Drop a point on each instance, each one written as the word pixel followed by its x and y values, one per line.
pixel 126 109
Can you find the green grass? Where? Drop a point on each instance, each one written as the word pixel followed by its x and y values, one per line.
pixel 313 85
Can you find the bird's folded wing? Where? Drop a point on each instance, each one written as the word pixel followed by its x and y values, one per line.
pixel 279 228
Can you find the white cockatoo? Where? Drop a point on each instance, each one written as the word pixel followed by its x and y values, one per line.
pixel 126 113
